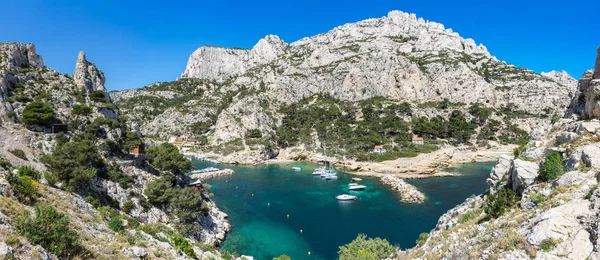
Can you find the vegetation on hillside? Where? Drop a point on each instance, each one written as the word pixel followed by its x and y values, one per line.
pixel 363 248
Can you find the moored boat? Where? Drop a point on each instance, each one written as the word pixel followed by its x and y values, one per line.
pixel 356 179
pixel 296 168
pixel 345 197
pixel 357 187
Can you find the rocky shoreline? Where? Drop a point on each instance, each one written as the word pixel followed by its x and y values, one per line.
pixel 208 175
pixel 408 193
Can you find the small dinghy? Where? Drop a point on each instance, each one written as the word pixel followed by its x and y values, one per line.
pixel 357 187
pixel 345 197
pixel 356 179
pixel 296 169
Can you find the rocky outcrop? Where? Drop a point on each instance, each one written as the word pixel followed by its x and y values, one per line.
pixel 523 174
pixel 562 224
pixel 499 176
pixel 408 193
pixel 87 77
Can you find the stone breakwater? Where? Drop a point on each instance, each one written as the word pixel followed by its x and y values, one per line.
pixel 408 193
pixel 208 175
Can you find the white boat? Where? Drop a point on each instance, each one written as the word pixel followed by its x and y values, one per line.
pixel 356 179
pixel 352 184
pixel 357 187
pixel 331 177
pixel 296 169
pixel 345 197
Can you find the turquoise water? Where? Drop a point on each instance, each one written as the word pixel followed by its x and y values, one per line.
pixel 269 205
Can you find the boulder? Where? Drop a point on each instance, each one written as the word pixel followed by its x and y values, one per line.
pixel 576 178
pixel 588 127
pixel 5 187
pixel 566 137
pixel 560 223
pixel 135 252
pixel 590 155
pixel 523 174
pixel 5 251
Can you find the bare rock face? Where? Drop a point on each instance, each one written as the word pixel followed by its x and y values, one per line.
pixel 399 56
pixel 23 55
pixel 523 174
pixel 499 176
pixel 589 88
pixel 88 77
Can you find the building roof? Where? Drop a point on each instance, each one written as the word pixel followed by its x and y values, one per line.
pixel 417 139
pixel 378 146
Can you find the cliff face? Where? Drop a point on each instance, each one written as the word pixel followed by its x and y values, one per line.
pixel 398 56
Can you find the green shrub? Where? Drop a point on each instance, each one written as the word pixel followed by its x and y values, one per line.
pixel 422 238
pixel 183 245
pixel 81 110
pixel 590 193
pixel 114 173
pixel 115 224
pixel 469 215
pixel 25 188
pixel 537 197
pixel 75 162
pixel 496 204
pixel 98 96
pixel 4 163
pixel 548 244
pixel 50 229
pixel 167 157
pixel 254 133
pixel 282 257
pixel 127 206
pixel 519 150
pixel 552 167
pixel 29 171
pixel 38 113
pixel 93 201
pixel 362 248
pixel 19 154
pixel 11 114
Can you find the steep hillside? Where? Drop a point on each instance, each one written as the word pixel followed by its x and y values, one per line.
pixel 543 202
pixel 69 187
pixel 224 94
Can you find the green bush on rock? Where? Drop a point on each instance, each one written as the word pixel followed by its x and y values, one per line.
pixel 38 113
pixel 496 204
pixel 74 163
pixel 362 248
pixel 552 167
pixel 50 229
pixel 167 157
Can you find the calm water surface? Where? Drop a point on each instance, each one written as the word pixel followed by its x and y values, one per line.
pixel 274 210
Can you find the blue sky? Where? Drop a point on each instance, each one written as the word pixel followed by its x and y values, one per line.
pixel 140 42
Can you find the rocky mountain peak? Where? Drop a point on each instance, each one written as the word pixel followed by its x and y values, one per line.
pixel 561 77
pixel 268 49
pixel 21 55
pixel 87 76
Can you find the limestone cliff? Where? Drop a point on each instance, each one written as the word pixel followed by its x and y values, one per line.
pixel 399 57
